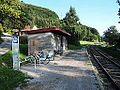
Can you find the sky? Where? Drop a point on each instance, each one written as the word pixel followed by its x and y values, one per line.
pixel 99 14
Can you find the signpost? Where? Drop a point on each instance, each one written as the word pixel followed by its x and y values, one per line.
pixel 15 52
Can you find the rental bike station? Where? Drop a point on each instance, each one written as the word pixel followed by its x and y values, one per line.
pixel 41 57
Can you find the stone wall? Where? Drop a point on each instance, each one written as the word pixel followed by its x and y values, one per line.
pixel 45 41
pixel 42 42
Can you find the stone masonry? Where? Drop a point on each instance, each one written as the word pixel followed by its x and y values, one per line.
pixel 46 41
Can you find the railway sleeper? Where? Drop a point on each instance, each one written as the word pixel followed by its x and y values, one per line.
pixel 109 64
pixel 116 76
pixel 115 73
pixel 117 81
pixel 113 70
pixel 110 67
pixel 107 84
pixel 109 88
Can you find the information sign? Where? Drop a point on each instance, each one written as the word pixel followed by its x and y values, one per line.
pixel 15 52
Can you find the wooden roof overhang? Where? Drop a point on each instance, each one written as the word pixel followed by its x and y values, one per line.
pixel 53 30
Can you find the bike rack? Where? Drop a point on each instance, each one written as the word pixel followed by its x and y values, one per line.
pixel 34 58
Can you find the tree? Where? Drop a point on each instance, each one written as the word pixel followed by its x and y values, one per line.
pixel 71 18
pixel 111 35
pixel 118 1
pixel 9 9
pixel 70 23
pixel 118 42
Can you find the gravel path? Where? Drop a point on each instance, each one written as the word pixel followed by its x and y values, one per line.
pixel 6 45
pixel 68 72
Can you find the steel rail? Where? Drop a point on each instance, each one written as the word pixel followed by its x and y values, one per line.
pixel 107 58
pixel 108 75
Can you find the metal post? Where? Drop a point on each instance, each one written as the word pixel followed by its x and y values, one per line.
pixel 35 63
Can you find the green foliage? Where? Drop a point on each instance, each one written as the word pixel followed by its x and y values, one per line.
pixel 24 49
pixel 23 40
pixel 93 37
pixel 71 21
pixel 74 47
pixel 31 15
pixel 9 10
pixel 118 1
pixel 82 44
pixel 1 40
pixel 71 18
pixel 0 33
pixel 41 17
pixel 78 31
pixel 118 41
pixel 44 18
pixel 9 79
pixel 111 35
pixel 7 60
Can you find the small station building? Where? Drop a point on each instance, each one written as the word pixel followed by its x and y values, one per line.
pixel 46 39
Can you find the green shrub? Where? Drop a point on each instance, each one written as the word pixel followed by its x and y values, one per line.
pixel 0 33
pixel 9 78
pixel 23 40
pixel 73 47
pixel 24 49
pixel 6 59
pixel 1 40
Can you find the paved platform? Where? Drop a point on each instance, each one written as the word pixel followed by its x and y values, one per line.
pixel 68 72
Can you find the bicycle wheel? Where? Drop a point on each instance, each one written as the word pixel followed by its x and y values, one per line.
pixel 41 61
pixel 46 61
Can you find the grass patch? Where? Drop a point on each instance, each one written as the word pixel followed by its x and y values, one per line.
pixel 7 60
pixel 9 78
pixel 55 63
pixel 82 43
pixel 73 47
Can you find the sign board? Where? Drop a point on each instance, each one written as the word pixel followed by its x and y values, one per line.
pixel 15 52
pixel 33 46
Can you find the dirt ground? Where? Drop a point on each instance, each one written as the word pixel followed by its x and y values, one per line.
pixel 6 45
pixel 68 72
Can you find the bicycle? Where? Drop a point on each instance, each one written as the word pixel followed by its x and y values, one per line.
pixel 41 57
pixel 47 57
pixel 44 58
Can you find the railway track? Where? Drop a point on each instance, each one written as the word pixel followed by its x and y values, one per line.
pixel 108 69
